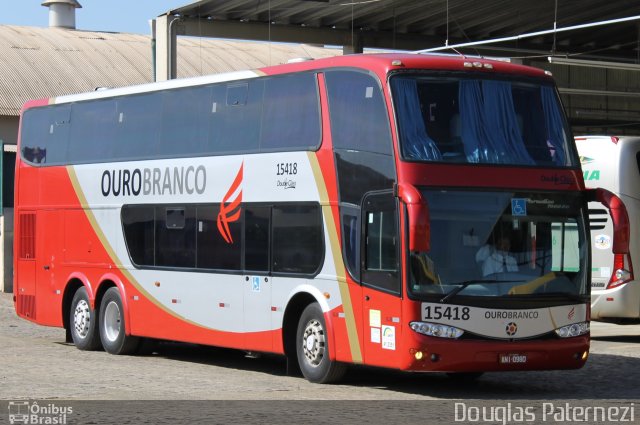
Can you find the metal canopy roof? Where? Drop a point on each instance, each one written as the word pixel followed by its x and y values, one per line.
pixel 422 24
pixel 598 99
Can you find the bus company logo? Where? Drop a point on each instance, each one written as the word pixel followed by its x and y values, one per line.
pixel 511 328
pixel 586 160
pixel 154 181
pixel 230 209
pixel 287 184
pixel 24 412
pixel 572 313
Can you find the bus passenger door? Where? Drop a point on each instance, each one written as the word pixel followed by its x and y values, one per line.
pixel 257 283
pixel 381 291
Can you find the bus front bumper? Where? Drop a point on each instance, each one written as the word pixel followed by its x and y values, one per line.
pixel 442 355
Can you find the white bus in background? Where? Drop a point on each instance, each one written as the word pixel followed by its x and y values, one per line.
pixel 613 163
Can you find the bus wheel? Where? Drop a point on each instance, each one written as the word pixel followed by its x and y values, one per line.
pixel 112 330
pixel 83 322
pixel 313 350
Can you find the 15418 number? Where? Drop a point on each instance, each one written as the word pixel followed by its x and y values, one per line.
pixel 287 168
pixel 450 313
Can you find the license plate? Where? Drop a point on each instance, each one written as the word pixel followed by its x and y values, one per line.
pixel 512 358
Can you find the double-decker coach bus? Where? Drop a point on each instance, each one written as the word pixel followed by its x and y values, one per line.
pixel 403 211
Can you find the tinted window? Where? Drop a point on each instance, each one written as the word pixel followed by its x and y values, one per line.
pixel 380 243
pixel 139 232
pixel 267 114
pixel 256 238
pixel 291 113
pixel 359 119
pixel 350 239
pixel 45 132
pixel 175 246
pixel 219 242
pixel 186 126
pixel 235 126
pixel 93 131
pixel 297 239
pixel 290 238
pixel 137 126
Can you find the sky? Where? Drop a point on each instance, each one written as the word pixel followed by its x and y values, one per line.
pixel 95 15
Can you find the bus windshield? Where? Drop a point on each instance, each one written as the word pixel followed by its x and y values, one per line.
pixel 502 244
pixel 481 121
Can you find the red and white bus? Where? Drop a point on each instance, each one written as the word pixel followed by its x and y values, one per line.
pixel 403 211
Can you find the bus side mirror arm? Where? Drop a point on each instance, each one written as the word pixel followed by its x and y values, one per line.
pixel 619 216
pixel 418 215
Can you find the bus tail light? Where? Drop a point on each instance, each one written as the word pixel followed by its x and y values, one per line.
pixel 622 271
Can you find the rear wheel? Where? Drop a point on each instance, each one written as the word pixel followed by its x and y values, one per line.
pixel 112 329
pixel 312 348
pixel 83 322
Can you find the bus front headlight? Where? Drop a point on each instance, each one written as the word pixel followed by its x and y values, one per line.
pixel 434 329
pixel 576 329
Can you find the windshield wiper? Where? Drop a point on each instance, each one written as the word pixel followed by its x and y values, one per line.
pixel 466 283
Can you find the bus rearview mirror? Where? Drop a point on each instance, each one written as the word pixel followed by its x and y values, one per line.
pixel 418 217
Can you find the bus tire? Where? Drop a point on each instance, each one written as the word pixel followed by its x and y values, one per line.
pixel 312 348
pixel 112 329
pixel 83 322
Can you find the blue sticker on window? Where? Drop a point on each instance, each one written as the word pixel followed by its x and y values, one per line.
pixel 518 206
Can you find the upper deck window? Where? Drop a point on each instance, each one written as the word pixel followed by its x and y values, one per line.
pixel 481 121
pixel 269 114
pixel 358 113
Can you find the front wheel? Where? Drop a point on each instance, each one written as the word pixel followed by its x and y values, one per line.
pixel 312 348
pixel 112 330
pixel 83 322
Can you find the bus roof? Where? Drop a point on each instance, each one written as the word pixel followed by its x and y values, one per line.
pixel 381 64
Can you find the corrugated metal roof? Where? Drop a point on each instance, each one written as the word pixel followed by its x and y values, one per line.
pixel 47 62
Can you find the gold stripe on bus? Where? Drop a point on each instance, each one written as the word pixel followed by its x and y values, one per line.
pixel 112 254
pixel 334 241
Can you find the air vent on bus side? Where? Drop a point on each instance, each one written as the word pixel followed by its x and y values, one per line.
pixel 27 236
pixel 27 306
pixel 598 219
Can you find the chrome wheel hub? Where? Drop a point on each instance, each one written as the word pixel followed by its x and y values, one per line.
pixel 112 321
pixel 82 318
pixel 313 342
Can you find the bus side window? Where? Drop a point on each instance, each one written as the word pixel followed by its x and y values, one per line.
pixel 358 113
pixel 92 132
pixel 44 140
pixel 175 239
pixel 350 240
pixel 284 127
pixel 381 243
pixel 297 239
pixel 257 222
